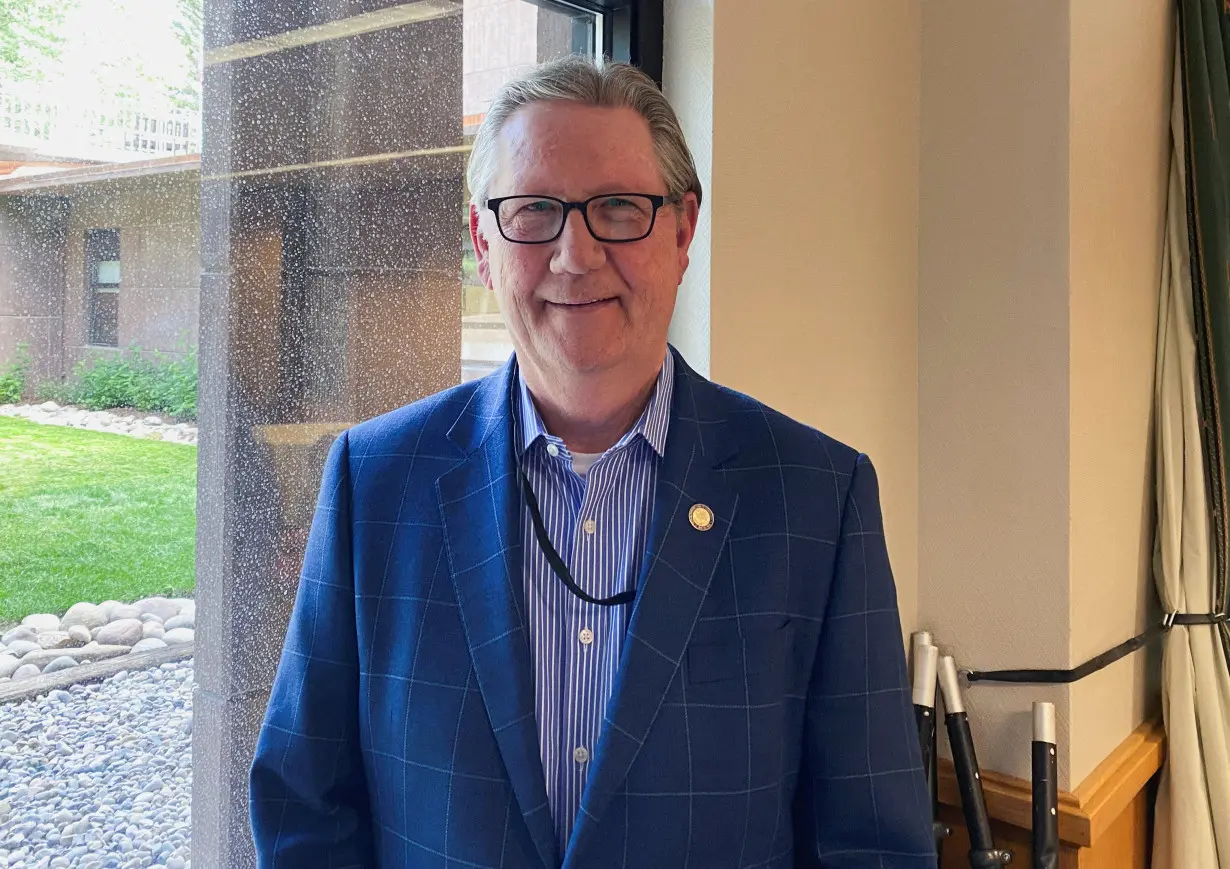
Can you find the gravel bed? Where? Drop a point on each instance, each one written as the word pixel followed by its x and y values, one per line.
pixel 99 776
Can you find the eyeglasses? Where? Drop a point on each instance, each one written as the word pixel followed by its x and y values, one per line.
pixel 612 218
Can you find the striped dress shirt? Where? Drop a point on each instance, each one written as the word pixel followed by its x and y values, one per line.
pixel 598 523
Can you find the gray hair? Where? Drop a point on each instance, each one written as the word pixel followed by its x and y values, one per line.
pixel 590 82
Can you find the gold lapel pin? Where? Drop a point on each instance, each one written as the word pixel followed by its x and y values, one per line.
pixel 701 517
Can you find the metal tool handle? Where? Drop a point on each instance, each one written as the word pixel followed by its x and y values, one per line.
pixel 969 781
pixel 926 662
pixel 925 719
pixel 983 853
pixel 1045 835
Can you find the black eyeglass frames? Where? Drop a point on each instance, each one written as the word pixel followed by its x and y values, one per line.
pixel 612 218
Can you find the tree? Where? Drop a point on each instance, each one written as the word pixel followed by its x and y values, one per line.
pixel 188 27
pixel 29 37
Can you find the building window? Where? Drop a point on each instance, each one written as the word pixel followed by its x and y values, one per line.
pixel 102 282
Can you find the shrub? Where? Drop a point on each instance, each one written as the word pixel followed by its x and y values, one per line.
pixel 54 390
pixel 157 385
pixel 14 376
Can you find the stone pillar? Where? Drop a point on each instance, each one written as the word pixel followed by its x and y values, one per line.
pixel 330 293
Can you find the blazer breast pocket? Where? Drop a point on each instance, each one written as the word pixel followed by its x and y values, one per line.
pixel 723 655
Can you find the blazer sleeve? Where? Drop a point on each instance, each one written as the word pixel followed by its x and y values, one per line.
pixel 861 799
pixel 308 794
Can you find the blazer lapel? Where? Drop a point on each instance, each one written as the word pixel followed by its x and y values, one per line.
pixel 482 533
pixel 678 567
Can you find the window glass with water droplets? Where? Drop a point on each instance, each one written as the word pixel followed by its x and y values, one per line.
pixel 229 230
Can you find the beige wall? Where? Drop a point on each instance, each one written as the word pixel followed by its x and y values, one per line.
pixel 935 230
pixel 1043 174
pixel 1119 146
pixel 1042 191
pixel 814 247
pixel 993 354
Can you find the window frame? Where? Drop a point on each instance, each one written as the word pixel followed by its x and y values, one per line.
pixel 631 29
pixel 94 288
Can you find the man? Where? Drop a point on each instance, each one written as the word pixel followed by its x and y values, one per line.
pixel 592 610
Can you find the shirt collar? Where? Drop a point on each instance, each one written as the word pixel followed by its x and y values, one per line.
pixel 651 425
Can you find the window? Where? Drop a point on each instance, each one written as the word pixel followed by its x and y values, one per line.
pixel 315 247
pixel 102 280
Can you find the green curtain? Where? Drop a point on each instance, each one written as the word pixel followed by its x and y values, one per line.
pixel 1204 36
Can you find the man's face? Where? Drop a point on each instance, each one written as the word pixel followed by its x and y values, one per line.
pixel 577 305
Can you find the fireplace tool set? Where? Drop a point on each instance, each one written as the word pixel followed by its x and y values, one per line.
pixel 932 669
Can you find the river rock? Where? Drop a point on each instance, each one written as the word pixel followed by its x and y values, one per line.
pixel 62 663
pixel 158 606
pixel 125 632
pixel 84 614
pixel 43 657
pixel 42 622
pixel 22 647
pixel 21 632
pixel 84 655
pixel 180 621
pixel 149 644
pixel 56 640
pixel 178 637
pixel 8 666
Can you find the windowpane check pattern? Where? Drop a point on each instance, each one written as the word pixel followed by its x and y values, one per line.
pixel 760 716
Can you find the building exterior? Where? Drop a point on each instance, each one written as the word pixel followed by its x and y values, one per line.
pixel 100 211
pixel 98 259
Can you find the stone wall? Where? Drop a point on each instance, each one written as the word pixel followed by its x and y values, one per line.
pixel 44 289
pixel 158 219
pixel 32 234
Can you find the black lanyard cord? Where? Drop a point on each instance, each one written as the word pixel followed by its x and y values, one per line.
pixel 558 567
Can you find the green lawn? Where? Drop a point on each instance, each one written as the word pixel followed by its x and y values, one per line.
pixel 91 516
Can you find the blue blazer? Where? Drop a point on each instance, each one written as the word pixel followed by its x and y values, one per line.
pixel 760 716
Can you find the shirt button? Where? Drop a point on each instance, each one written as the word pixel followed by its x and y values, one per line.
pixel 586 636
pixel 580 754
pixel 590 526
pixel 552 450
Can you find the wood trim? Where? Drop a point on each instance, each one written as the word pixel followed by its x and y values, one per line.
pixel 1086 813
pixel 1116 781
pixel 94 671
pixel 1010 800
